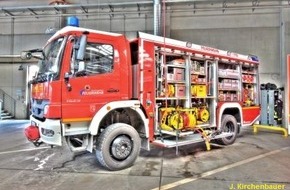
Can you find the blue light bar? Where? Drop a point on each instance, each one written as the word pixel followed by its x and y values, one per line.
pixel 72 21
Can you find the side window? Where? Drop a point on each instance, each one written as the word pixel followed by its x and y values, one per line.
pixel 98 59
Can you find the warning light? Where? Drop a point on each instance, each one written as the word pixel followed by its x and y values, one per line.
pixel 73 21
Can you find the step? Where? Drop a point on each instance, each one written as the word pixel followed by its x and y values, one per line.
pixel 173 142
pixel 186 140
pixel 7 117
pixel 5 114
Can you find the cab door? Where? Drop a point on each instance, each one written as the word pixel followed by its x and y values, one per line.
pixel 91 82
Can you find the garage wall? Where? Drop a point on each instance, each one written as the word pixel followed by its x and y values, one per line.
pixel 255 32
pixel 13 82
pixel 15 36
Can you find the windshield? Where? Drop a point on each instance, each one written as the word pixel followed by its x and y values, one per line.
pixel 52 53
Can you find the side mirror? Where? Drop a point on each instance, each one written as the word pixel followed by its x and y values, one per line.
pixel 26 55
pixel 82 48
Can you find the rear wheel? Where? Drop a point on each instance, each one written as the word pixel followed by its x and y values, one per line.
pixel 228 125
pixel 118 146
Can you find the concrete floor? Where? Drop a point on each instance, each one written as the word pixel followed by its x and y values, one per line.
pixel 254 159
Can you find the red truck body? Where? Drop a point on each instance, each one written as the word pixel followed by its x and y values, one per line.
pixel 102 93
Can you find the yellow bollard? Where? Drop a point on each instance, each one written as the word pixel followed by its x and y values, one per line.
pixel 275 128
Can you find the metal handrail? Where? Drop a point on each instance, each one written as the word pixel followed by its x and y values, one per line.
pixel 8 103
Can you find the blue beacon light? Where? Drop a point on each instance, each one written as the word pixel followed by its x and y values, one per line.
pixel 73 21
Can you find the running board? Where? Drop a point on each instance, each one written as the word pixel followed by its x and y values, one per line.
pixel 186 140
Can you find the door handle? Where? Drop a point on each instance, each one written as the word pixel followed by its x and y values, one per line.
pixel 66 81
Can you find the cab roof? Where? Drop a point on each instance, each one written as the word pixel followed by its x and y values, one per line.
pixel 69 29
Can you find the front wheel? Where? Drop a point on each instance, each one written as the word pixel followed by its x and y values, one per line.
pixel 228 125
pixel 118 146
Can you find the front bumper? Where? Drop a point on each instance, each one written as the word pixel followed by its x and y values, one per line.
pixel 50 130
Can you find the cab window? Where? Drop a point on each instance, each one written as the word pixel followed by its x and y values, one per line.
pixel 98 59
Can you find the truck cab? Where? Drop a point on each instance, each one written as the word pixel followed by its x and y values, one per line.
pixel 80 70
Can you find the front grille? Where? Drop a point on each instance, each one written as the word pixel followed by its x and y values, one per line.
pixel 37 107
pixel 38 101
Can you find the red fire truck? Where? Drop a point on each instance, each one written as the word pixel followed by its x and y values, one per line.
pixel 100 92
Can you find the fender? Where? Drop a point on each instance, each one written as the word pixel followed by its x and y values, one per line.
pixel 226 106
pixel 252 123
pixel 133 104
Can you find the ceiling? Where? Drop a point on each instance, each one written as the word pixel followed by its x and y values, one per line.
pixel 53 9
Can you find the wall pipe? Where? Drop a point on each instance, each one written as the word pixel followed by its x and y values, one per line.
pixel 157 17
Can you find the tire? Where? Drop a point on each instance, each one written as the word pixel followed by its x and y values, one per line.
pixel 118 146
pixel 228 124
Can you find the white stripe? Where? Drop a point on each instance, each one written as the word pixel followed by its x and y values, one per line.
pixel 141 70
pixel 24 150
pixel 221 169
pixel 43 162
pixel 194 47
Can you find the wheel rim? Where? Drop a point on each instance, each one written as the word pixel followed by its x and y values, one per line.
pixel 121 147
pixel 229 128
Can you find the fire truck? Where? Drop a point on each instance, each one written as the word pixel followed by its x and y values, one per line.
pixel 100 92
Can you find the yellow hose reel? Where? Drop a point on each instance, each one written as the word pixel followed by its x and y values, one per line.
pixel 165 113
pixel 175 121
pixel 189 118
pixel 203 115
pixel 178 119
pixel 183 118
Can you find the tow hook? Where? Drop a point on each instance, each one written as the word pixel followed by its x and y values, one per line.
pixel 36 143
